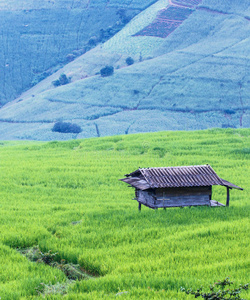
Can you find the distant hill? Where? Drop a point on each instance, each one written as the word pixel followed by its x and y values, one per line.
pixel 190 71
pixel 39 37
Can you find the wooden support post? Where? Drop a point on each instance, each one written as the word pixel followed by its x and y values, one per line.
pixel 228 196
pixel 139 207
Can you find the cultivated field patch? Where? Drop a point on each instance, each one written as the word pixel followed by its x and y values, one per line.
pixel 170 18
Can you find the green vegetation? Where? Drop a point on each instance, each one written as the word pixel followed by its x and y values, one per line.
pixel 65 197
pixel 65 127
pixel 63 79
pixel 129 61
pixel 107 71
pixel 217 291
pixel 72 271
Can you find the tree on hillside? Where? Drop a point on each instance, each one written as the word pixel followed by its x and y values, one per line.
pixel 123 16
pixel 129 61
pixel 107 71
pixel 64 127
pixel 63 79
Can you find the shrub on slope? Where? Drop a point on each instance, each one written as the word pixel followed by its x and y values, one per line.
pixel 64 127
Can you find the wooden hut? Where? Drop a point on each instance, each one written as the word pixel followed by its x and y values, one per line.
pixel 176 186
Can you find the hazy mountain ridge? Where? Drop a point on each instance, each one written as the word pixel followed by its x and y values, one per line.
pixel 196 78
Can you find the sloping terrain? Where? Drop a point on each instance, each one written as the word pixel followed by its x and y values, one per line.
pixel 39 37
pixel 194 77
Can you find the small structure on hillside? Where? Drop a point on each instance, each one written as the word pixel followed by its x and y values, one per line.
pixel 176 186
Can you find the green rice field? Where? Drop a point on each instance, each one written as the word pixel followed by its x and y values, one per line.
pixel 66 199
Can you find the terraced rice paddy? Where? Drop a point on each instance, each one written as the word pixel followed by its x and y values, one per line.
pixel 65 198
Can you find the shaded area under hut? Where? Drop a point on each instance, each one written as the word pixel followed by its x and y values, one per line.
pixel 176 186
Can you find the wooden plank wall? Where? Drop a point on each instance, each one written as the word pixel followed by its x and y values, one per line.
pixel 170 192
pixel 183 201
pixel 174 197
pixel 146 198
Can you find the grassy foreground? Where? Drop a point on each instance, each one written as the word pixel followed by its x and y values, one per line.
pixel 66 197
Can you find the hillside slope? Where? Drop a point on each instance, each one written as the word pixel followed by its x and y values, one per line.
pixel 38 37
pixel 191 75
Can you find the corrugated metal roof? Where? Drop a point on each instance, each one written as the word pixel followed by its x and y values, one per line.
pixel 185 176
pixel 181 176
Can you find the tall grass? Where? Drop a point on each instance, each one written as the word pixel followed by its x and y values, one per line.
pixel 66 197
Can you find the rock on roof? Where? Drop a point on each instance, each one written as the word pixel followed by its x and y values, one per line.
pixel 172 177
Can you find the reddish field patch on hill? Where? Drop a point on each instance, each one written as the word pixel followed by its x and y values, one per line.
pixel 170 18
